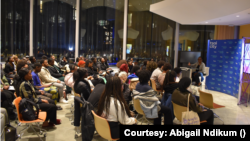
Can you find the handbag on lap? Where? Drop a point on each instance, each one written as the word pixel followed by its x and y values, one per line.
pixel 190 117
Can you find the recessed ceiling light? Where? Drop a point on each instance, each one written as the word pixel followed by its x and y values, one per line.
pixel 206 22
pixel 237 16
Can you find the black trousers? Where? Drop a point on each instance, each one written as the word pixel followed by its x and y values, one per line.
pixel 167 116
pixel 7 98
pixel 196 77
pixel 50 109
pixel 208 116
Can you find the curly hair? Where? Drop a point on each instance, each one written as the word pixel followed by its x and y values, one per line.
pixel 120 63
pixel 151 66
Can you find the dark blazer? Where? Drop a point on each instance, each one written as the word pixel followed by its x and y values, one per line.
pixel 53 71
pixel 126 92
pixel 95 67
pixel 83 88
pixel 8 68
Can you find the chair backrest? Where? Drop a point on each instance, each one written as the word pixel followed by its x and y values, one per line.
pixel 16 102
pixel 207 71
pixel 102 127
pixel 153 84
pixel 206 99
pixel 137 106
pixel 178 111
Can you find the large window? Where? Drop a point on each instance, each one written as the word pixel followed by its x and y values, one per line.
pixel 101 29
pixel 149 35
pixel 194 38
pixel 14 28
pixel 54 28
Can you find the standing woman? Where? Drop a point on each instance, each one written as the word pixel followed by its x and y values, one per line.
pixel 10 68
pixel 113 107
pixel 81 86
pixel 26 90
pixel 200 68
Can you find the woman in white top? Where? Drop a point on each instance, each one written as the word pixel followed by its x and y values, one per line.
pixel 113 107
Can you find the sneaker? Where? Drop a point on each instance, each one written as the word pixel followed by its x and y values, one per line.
pixel 62 100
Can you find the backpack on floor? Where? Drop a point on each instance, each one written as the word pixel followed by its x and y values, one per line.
pixel 27 110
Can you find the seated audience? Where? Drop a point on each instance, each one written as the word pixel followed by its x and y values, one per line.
pixel 69 77
pixel 165 69
pixel 33 61
pixel 95 66
pixel 93 76
pixel 44 57
pixel 81 64
pixel 113 107
pixel 130 66
pixel 53 71
pixel 178 72
pixel 28 59
pixel 180 97
pixel 55 63
pixel 7 97
pixel 46 78
pixel 124 67
pixel 169 84
pixel 81 86
pixel 133 72
pixel 64 61
pixel 105 67
pixel 15 60
pixel 51 94
pixel 26 90
pixel 126 91
pixel 144 65
pixel 10 68
pixel 156 73
pixel 136 62
pixel 151 66
pixel 150 104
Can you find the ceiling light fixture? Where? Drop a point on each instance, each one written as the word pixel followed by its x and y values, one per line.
pixel 206 22
pixel 237 16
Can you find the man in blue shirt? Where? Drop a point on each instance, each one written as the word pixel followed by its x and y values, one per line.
pixel 37 83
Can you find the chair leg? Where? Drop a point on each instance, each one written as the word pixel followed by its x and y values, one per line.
pixel 22 131
pixel 40 129
pixel 35 132
pixel 219 118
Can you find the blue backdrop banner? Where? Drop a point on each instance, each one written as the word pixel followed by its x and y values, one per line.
pixel 224 60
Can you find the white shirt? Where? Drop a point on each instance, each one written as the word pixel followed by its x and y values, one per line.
pixel 55 63
pixel 123 118
pixel 155 75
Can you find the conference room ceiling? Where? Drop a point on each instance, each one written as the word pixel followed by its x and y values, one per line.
pixel 204 12
pixel 134 5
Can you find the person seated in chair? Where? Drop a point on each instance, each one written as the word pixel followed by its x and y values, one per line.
pixel 33 61
pixel 156 73
pixel 105 67
pixel 169 84
pixel 165 69
pixel 178 72
pixel 150 104
pixel 55 63
pixel 64 61
pixel 113 107
pixel 9 68
pixel 26 90
pixel 93 74
pixel 200 69
pixel 126 91
pixel 53 71
pixel 180 97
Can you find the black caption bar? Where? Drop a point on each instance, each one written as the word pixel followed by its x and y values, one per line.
pixel 183 131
